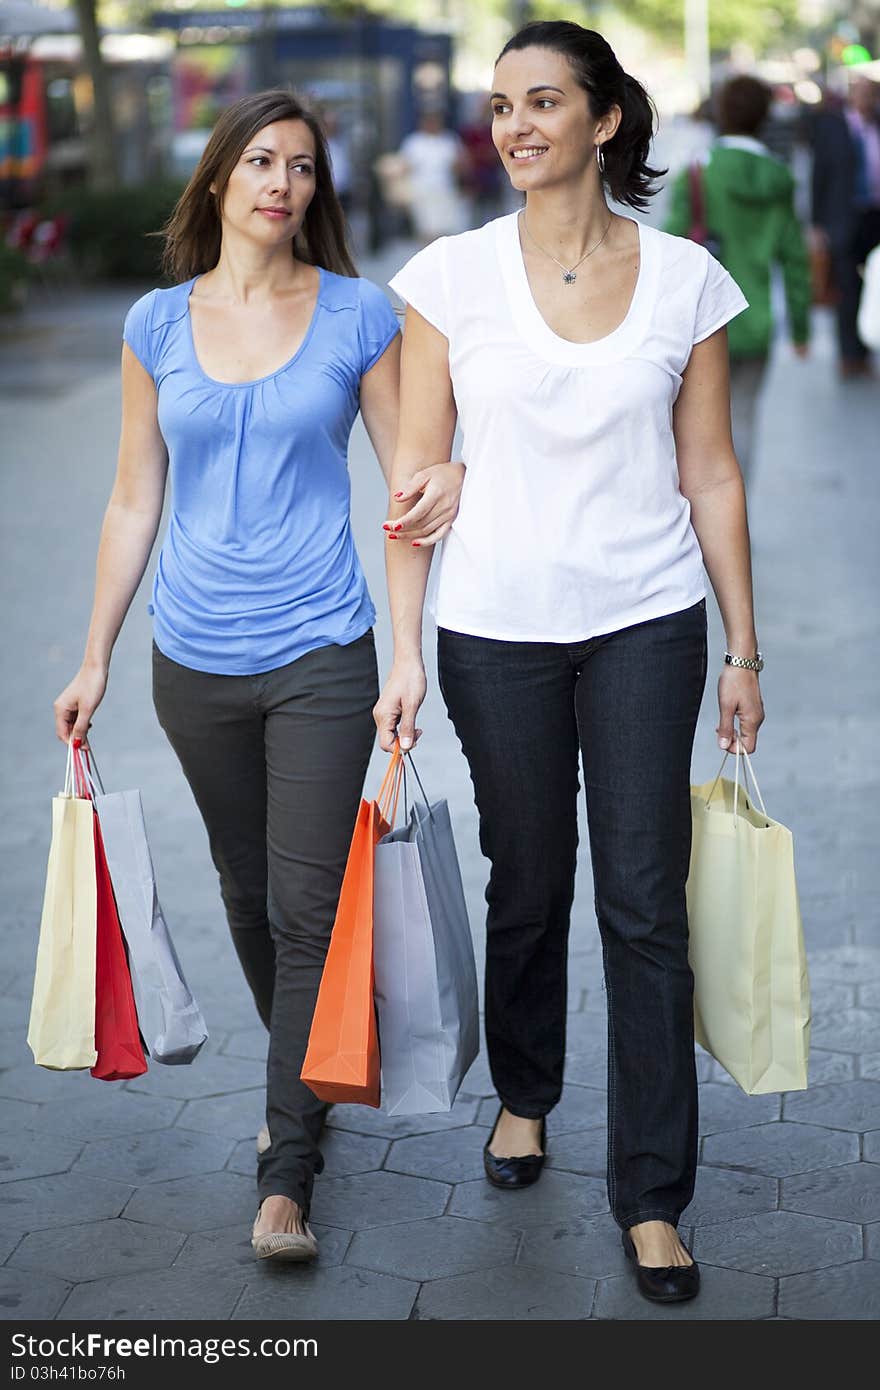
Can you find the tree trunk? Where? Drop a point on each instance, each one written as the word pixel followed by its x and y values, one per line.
pixel 104 169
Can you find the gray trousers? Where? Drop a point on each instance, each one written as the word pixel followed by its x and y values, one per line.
pixel 746 379
pixel 276 763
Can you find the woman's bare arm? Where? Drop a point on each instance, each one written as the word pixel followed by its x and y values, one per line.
pixel 128 534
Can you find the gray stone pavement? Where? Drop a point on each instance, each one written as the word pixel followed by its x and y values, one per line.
pixel 134 1200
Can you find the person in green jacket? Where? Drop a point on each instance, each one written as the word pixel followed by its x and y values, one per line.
pixel 748 210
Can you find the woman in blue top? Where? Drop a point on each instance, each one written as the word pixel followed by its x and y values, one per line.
pixel 243 382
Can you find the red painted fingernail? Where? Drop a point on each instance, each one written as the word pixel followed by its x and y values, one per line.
pixel 397 496
pixel 77 743
pixel 385 526
pixel 416 544
pixel 391 536
pixel 399 526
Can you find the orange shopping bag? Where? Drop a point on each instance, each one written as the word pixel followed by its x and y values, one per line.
pixel 342 1057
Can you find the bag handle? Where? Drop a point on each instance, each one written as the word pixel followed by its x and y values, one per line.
pixel 389 792
pixel 408 758
pixel 751 773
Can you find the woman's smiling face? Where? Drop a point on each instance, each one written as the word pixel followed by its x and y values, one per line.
pixel 542 125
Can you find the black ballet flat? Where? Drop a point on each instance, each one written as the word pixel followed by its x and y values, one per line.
pixel 514 1172
pixel 672 1284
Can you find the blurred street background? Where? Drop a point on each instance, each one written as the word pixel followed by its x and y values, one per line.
pixel 146 1187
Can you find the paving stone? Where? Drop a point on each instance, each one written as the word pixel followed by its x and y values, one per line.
pixel 363 1119
pixel 237 1116
pixel 230 1247
pixel 583 1151
pixel 376 1199
pixel 846 965
pixel 234 1010
pixel 456 1155
pixel 195 1204
pixel 36 1204
pixel 780 1149
pixel 869 1066
pixel 206 1076
pixel 853 1105
pixel 15 1115
pixel 15 1013
pixel 154 1297
pixel 849 1194
pixel 586 1032
pixel 725 1294
pixel 848 1030
pixel 515 1293
pixel 871 1146
pixel 25 1155
pixel 780 1242
pixel 337 1293
pixel 868 996
pixel 829 1068
pixel 589 1247
pixel 721 1194
pixel 556 1196
pixel 247 1042
pixel 827 996
pixel 435 1249
pixel 98 1250
pixel 9 1239
pixel 155 1157
pixel 14 1051
pixel 725 1107
pixel 588 1068
pixel 105 1111
pixel 24 1298
pixel 30 1082
pixel 850 1292
pixel 872 1241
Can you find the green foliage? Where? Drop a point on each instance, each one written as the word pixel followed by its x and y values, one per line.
pixel 756 22
pixel 14 273
pixel 111 231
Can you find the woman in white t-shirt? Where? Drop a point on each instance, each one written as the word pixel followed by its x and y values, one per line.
pixel 584 355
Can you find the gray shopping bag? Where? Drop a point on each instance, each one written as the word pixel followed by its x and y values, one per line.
pixel 423 956
pixel 170 1020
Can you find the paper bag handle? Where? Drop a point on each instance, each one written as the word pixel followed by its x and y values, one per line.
pixel 751 773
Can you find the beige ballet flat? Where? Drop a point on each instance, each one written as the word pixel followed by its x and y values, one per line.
pixel 285 1245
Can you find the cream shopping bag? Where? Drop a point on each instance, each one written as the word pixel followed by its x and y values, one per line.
pixel 61 1033
pixel 751 990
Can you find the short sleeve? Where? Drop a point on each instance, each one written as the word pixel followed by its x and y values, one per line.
pixel 721 299
pixel 422 284
pixel 137 331
pixel 377 324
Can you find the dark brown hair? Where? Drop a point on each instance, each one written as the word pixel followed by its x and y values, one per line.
pixel 193 231
pixel 596 69
pixel 743 104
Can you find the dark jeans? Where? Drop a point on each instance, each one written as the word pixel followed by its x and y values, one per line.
pixel 276 763
pixel 628 702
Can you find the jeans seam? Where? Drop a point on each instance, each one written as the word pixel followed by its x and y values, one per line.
pixel 612 1081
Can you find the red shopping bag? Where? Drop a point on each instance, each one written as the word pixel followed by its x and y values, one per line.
pixel 117 1036
pixel 342 1058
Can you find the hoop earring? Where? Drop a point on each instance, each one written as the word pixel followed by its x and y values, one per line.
pixel 600 159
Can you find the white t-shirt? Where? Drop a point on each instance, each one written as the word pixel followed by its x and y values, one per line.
pixel 571 522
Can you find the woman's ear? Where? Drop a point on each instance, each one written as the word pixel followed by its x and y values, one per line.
pixel 212 188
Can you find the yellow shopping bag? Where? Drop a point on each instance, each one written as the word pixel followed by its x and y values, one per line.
pixel 61 1033
pixel 751 989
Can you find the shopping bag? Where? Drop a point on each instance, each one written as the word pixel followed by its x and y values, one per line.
pixel 171 1023
pixel 426 979
pixel 61 1031
pixel 342 1057
pixel 751 989
pixel 117 1036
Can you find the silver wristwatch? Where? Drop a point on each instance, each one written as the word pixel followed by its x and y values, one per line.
pixel 745 662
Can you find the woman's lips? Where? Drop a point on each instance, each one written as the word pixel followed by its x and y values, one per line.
pixel 276 213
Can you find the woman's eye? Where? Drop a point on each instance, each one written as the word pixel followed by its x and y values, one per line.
pixel 303 168
pixel 545 101
pixel 258 159
pixel 499 110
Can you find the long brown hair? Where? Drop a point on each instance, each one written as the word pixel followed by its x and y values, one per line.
pixel 193 231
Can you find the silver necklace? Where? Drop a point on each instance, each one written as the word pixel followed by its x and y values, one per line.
pixel 568 273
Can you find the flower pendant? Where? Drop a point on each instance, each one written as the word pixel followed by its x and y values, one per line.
pixel 569 277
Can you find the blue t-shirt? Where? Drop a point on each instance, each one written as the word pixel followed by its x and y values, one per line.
pixel 258 565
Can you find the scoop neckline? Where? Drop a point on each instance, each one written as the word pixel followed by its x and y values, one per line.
pixel 255 381
pixel 533 327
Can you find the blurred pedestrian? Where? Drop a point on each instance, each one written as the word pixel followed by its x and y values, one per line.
pixel 585 355
pixel 243 382
pixel 339 151
pixel 742 197
pixel 483 176
pixel 436 166
pixel 846 205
